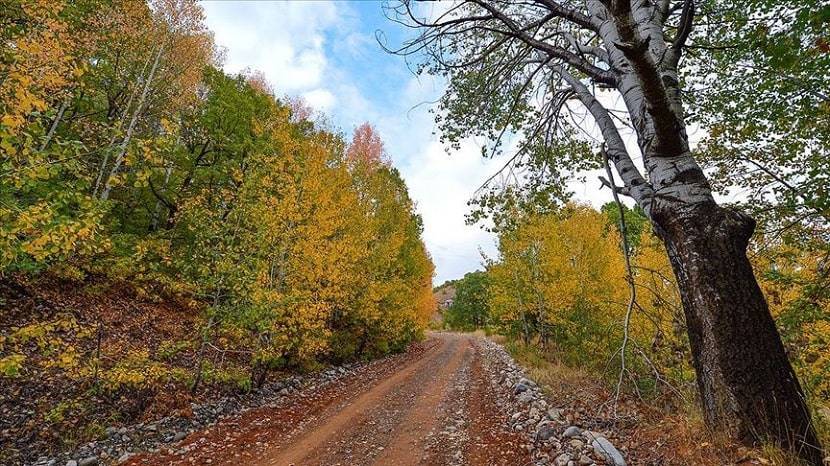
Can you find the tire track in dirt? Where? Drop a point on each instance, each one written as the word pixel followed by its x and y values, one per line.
pixel 432 406
pixel 247 438
pixel 444 444
pixel 426 415
pixel 361 431
pixel 490 441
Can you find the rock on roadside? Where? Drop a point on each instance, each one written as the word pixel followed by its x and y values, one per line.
pixel 603 447
pixel 551 440
pixel 117 444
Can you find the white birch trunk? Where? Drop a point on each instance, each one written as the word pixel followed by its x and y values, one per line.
pixel 122 149
pixel 54 126
pixel 664 173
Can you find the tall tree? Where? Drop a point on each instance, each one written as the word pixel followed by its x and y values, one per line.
pixel 366 145
pixel 556 277
pixel 514 68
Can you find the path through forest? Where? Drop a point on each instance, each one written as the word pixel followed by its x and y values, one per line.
pixel 431 406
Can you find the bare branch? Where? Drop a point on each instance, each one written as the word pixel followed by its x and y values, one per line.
pixel 571 15
pixel 598 75
pixel 683 31
pixel 597 52
pixel 632 289
pixel 619 189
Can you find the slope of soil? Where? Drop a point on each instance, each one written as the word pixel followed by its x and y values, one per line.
pixel 90 350
pixel 44 409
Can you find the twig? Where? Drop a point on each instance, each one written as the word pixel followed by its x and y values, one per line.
pixel 629 277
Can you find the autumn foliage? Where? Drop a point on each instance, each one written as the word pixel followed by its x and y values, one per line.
pixel 127 155
pixel 559 284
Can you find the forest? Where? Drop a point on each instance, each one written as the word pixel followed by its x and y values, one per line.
pixel 172 234
pixel 135 169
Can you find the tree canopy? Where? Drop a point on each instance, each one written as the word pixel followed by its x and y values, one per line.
pixel 127 154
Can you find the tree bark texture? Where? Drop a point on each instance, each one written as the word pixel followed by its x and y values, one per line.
pixel 745 381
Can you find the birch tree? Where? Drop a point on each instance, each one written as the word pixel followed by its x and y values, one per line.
pixel 546 71
pixel 122 148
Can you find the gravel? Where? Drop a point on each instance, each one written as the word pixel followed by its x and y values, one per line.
pixel 118 443
pixel 551 440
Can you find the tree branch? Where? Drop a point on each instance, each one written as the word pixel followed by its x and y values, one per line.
pixel 632 289
pixel 598 75
pixel 597 52
pixel 683 31
pixel 571 15
pixel 169 205
pixel 619 189
pixel 667 125
pixel 638 188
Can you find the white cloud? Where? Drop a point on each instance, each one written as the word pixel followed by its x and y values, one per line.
pixel 287 41
pixel 439 181
pixel 284 40
pixel 442 184
pixel 321 100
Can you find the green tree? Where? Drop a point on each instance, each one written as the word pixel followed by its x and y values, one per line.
pixel 470 309
pixel 635 221
pixel 770 145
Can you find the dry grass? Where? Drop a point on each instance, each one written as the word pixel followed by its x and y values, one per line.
pixel 651 432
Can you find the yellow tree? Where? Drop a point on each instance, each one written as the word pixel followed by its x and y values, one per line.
pixel 174 47
pixel 43 214
pixel 794 278
pixel 558 277
pixel 392 300
pixel 39 60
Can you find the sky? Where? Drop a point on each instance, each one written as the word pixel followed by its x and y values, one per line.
pixel 327 52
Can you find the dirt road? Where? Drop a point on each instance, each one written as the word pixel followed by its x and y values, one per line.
pixel 430 406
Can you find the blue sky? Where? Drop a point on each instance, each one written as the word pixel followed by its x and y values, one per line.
pixel 326 52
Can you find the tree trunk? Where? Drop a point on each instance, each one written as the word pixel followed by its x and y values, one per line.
pixel 157 211
pixel 262 377
pixel 54 126
pixel 361 346
pixel 746 383
pixel 122 148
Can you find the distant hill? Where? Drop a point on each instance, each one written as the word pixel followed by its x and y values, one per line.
pixel 444 295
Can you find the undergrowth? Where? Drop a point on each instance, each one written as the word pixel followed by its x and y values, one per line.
pixel 666 429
